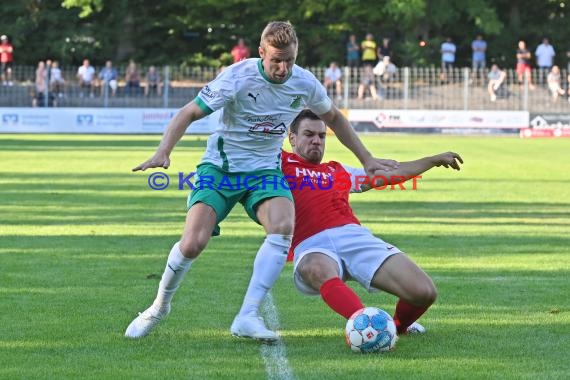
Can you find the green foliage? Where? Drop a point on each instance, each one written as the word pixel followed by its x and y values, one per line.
pixel 87 7
pixel 174 31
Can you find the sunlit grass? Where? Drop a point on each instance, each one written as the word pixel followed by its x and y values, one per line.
pixel 83 242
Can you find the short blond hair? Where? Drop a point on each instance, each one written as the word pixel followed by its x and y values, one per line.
pixel 278 34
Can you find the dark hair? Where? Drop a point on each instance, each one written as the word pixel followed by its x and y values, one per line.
pixel 304 114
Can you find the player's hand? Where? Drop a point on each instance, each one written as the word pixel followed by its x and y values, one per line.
pixel 159 160
pixel 448 160
pixel 378 164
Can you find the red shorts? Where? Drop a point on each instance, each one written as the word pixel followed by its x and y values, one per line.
pixel 523 68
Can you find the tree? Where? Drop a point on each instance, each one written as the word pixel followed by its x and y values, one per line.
pixel 203 31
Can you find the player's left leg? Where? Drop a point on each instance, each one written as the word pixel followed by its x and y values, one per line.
pixel 400 276
pixel 319 273
pixel 277 215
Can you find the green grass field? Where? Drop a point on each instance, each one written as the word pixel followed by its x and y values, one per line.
pixel 83 242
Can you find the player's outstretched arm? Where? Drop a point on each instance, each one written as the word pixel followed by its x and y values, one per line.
pixel 345 133
pixel 174 132
pixel 409 169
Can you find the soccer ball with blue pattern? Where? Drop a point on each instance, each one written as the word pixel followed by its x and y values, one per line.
pixel 371 330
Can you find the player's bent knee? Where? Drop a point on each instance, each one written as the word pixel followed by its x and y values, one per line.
pixel 425 294
pixel 313 276
pixel 315 272
pixel 191 248
pixel 281 227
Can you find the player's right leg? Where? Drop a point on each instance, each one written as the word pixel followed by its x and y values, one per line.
pixel 200 222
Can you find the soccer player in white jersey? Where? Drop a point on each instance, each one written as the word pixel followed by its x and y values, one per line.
pixel 329 244
pixel 259 98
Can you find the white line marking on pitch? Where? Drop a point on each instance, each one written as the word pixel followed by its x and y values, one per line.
pixel 274 355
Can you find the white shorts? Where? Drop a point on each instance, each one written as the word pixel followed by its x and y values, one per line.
pixel 357 252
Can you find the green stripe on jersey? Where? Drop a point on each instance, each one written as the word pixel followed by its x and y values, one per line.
pixel 225 163
pixel 203 105
pixel 260 67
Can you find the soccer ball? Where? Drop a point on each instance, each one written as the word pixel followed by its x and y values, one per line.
pixel 371 330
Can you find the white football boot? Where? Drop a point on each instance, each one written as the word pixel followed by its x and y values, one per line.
pixel 252 327
pixel 416 328
pixel 143 324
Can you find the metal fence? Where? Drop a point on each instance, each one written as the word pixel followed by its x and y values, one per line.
pixel 409 88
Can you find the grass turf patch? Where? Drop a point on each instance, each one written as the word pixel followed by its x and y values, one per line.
pixel 83 242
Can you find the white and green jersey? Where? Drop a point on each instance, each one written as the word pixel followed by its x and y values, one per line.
pixel 256 114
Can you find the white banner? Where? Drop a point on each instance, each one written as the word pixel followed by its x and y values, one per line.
pixel 155 120
pixel 440 119
pixel 96 120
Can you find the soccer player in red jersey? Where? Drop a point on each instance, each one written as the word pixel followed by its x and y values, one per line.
pixel 329 244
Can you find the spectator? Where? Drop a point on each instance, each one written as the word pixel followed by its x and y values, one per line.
pixel 39 83
pixel 384 49
pixel 496 78
pixel 479 48
pixel 108 76
pixel 555 83
pixel 240 51
pixel 386 71
pixel 41 87
pixel 153 81
pixel 448 49
pixel 6 60
pixel 369 50
pixel 367 80
pixel 332 80
pixel 48 66
pixel 369 59
pixel 523 64
pixel 352 52
pixel 85 76
pixel 56 81
pixel 544 54
pixel 132 79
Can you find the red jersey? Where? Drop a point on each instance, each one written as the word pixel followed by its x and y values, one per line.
pixel 319 205
pixel 6 51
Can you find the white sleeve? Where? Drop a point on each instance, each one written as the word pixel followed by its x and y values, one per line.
pixel 354 174
pixel 219 91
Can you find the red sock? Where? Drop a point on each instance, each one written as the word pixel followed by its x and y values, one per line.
pixel 406 314
pixel 340 297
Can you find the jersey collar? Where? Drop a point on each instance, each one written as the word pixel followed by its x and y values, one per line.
pixel 260 67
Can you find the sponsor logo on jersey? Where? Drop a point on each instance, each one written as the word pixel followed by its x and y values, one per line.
pixel 305 172
pixel 296 102
pixel 268 128
pixel 207 92
pixel 254 97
